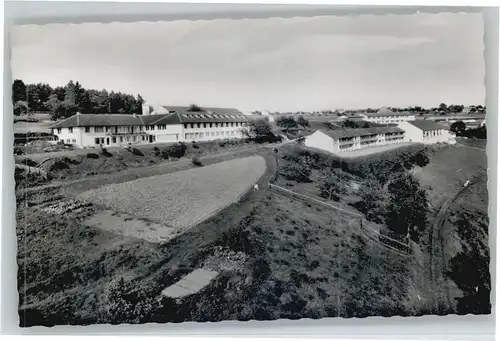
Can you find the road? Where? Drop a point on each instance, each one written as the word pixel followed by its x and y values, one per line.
pixel 437 258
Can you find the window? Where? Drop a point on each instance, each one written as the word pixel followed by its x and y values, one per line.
pixel 96 140
pixel 128 138
pixel 232 133
pixel 143 138
pixel 207 134
pixel 87 130
pixel 99 129
pixel 213 133
pixel 59 130
pixel 147 127
pixel 232 124
pixel 152 127
pixel 199 125
pixel 186 136
pixel 68 140
pixel 70 129
pixel 121 139
pixel 210 125
pixel 185 125
pixel 204 125
pixel 74 141
pixel 107 129
pixel 134 138
pixel 227 133
pixel 113 139
pixel 192 125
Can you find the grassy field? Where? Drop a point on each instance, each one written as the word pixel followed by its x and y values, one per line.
pixel 185 198
pixel 449 168
pixel 41 125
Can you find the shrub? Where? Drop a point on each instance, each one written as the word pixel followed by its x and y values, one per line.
pixel 104 152
pixel 92 156
pixel 30 163
pixel 59 165
pixel 177 150
pixel 137 152
pixel 195 146
pixel 297 172
pixel 163 154
pixel 196 161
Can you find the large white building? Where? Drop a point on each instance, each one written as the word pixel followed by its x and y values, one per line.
pixel 341 140
pixel 177 125
pixel 428 132
pixel 421 131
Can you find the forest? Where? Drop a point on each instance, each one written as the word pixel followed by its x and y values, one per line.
pixel 62 102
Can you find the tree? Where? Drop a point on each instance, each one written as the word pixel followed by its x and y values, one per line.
pixel 299 172
pixel 443 107
pixel 258 128
pixel 18 91
pixel 301 121
pixel 55 107
pixel 195 108
pixel 458 127
pixel 286 123
pixel 407 208
pixel 349 124
pixel 21 108
pixel 333 185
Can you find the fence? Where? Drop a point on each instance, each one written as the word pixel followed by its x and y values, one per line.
pixel 366 231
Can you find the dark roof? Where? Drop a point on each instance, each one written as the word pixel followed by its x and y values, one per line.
pixel 426 125
pixel 342 133
pixel 85 120
pixel 184 109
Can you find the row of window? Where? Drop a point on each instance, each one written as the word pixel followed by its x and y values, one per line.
pixel 194 136
pixel 115 129
pixel 212 125
pixel 120 139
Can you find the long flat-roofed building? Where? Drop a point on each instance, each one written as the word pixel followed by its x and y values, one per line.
pixel 93 130
pixel 335 141
pixel 428 132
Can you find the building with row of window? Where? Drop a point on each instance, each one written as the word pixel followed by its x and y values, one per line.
pixel 335 141
pixel 341 140
pixel 90 130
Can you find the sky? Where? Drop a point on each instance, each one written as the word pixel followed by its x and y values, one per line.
pixel 277 64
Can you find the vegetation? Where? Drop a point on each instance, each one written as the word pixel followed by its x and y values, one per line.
pixel 260 131
pixel 92 156
pixel 65 101
pixel 333 185
pixel 301 121
pixel 195 108
pixel 177 150
pixel 196 161
pixel 286 123
pixel 458 127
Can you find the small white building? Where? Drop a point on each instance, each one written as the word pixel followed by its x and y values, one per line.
pixel 94 130
pixel 335 141
pixel 425 131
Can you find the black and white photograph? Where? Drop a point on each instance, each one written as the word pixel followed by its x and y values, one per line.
pixel 239 169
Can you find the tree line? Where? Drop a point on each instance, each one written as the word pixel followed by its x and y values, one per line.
pixel 65 101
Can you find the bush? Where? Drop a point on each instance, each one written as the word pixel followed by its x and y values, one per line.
pixel 92 156
pixel 195 146
pixel 59 165
pixel 163 154
pixel 297 172
pixel 19 151
pixel 196 161
pixel 177 150
pixel 157 151
pixel 30 163
pixel 136 151
pixel 104 152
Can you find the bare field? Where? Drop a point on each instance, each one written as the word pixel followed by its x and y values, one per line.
pixel 184 198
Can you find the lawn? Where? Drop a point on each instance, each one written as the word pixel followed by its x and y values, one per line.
pixel 185 198
pixel 449 168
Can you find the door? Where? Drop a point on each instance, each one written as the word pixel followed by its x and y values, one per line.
pixel 107 141
pixel 150 138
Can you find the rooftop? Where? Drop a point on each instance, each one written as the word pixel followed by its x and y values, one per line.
pixel 185 109
pixel 342 133
pixel 426 125
pixel 87 120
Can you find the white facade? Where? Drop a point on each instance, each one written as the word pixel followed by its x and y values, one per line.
pixel 416 134
pixel 332 144
pixel 113 136
pixel 388 119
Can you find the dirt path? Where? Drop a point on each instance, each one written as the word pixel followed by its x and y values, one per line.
pixel 437 259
